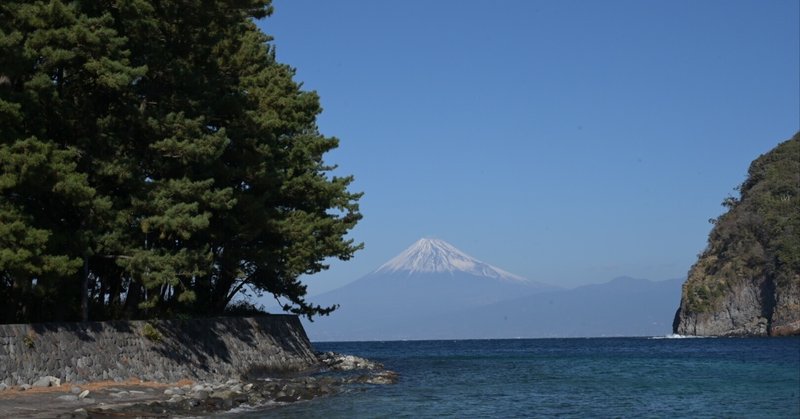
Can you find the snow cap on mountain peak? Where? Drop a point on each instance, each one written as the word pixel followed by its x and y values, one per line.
pixel 433 255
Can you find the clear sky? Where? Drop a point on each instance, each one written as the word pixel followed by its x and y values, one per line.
pixel 569 142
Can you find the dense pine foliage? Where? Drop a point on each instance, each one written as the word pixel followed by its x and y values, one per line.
pixel 156 155
pixel 759 236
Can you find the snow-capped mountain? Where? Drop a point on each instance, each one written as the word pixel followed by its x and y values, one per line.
pixel 428 279
pixel 432 290
pixel 434 255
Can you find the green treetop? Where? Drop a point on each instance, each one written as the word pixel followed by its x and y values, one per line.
pixel 161 146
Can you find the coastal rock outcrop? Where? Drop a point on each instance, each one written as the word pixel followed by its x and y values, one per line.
pixel 190 367
pixel 747 281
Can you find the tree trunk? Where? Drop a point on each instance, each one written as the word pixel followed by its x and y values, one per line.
pixel 85 291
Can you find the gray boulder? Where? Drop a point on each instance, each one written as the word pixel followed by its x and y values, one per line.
pixel 47 381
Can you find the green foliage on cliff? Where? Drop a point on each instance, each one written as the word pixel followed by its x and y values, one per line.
pixel 159 150
pixel 759 236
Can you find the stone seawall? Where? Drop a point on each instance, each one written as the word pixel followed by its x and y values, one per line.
pixel 158 350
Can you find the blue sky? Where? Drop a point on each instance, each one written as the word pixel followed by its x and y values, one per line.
pixel 569 142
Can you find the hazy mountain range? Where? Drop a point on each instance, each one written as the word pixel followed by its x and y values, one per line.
pixel 432 290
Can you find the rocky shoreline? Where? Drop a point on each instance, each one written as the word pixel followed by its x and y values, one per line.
pixel 331 375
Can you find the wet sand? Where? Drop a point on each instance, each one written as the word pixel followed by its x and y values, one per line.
pixel 44 402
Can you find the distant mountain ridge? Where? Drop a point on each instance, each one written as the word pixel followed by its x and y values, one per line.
pixel 623 306
pixel 432 290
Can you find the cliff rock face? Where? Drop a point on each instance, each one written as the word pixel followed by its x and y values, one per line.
pixel 747 281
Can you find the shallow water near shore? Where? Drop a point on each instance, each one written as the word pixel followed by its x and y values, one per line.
pixel 595 377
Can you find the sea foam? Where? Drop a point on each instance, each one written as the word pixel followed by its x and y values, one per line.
pixel 677 336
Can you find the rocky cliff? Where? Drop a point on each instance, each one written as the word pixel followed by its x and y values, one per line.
pixel 747 281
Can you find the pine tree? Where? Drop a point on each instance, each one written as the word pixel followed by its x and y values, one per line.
pixel 62 73
pixel 162 147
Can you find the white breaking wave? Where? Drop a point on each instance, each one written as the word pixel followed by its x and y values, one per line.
pixel 676 336
pixel 433 255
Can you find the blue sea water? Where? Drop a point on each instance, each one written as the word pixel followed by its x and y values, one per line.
pixel 594 377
